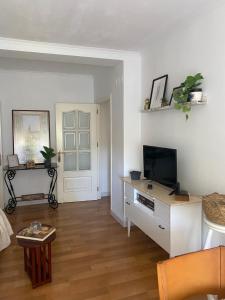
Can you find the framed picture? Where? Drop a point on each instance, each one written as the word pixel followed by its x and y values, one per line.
pixel 158 91
pixel 31 131
pixel 171 98
pixel 13 161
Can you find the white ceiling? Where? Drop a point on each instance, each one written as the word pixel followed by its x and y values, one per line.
pixel 116 24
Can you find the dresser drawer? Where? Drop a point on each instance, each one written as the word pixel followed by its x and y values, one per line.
pixel 162 211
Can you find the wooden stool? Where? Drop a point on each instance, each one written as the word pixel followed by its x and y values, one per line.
pixel 37 259
pixel 212 227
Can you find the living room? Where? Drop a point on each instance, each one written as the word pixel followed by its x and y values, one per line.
pixel 109 53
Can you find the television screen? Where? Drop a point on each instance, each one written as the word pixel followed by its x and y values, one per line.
pixel 160 164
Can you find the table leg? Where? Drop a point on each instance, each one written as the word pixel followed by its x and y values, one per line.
pixel 43 259
pixel 53 203
pixel 11 206
pixel 25 258
pixel 38 264
pixel 33 267
pixel 49 262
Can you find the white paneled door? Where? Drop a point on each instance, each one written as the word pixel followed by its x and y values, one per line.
pixel 77 147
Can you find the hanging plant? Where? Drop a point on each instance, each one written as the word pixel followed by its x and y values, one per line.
pixel 181 95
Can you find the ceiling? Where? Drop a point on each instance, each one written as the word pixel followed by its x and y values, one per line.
pixel 115 24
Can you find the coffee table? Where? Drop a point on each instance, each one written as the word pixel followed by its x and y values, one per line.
pixel 37 259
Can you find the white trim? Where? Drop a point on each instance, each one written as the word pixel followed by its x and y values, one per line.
pixel 110 104
pixel 105 194
pixel 18 45
pixel 122 223
pixel 98 148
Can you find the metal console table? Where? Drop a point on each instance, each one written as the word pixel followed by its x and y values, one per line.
pixel 10 175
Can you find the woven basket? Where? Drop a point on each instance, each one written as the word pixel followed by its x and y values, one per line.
pixel 214 208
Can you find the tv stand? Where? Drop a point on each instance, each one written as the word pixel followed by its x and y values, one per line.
pixel 167 220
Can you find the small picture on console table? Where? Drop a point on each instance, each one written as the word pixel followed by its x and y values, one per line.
pixel 158 91
pixel 13 160
pixel 31 130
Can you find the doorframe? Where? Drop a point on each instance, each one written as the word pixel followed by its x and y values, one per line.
pixel 110 112
pixel 98 148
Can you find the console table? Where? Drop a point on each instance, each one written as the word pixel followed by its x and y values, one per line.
pixel 10 174
pixel 173 222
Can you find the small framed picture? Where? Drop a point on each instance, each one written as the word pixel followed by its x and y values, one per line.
pixel 13 160
pixel 171 98
pixel 158 91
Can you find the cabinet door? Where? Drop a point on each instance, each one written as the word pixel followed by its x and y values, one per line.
pixel 162 211
pixel 162 230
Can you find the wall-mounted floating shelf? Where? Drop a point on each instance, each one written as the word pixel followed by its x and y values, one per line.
pixel 172 107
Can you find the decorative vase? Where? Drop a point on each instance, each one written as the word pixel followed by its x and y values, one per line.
pixel 48 163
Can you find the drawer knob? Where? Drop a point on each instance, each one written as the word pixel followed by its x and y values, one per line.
pixel 161 227
pixel 128 203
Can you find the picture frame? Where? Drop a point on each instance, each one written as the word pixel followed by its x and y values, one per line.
pixel 158 91
pixel 31 131
pixel 171 97
pixel 13 160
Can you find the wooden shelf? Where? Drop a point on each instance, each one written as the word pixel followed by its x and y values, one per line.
pixel 172 107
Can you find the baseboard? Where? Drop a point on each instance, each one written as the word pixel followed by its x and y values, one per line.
pixel 119 220
pixel 105 194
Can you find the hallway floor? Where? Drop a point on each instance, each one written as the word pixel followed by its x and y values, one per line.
pixel 93 259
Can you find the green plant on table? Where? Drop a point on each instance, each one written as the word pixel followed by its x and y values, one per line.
pixel 181 95
pixel 48 153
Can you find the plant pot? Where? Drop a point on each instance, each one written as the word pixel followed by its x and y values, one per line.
pixel 48 163
pixel 135 175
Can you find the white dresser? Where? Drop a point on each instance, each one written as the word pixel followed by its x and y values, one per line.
pixel 173 224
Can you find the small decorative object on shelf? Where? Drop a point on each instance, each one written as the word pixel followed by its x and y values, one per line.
pixel 184 94
pixel 13 160
pixel 165 102
pixel 147 104
pixel 48 154
pixel 196 95
pixel 30 164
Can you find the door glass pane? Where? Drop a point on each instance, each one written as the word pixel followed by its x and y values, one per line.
pixel 69 140
pixel 84 140
pixel 70 161
pixel 84 160
pixel 69 120
pixel 84 120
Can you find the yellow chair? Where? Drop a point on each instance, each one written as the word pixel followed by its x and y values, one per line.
pixel 200 272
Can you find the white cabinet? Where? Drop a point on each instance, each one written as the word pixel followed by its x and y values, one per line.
pixel 173 225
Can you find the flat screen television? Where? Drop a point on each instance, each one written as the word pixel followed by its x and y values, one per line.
pixel 160 164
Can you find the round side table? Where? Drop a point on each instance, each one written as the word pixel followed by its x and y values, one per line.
pixel 212 227
pixel 37 259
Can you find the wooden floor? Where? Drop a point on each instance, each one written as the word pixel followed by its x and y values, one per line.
pixel 92 257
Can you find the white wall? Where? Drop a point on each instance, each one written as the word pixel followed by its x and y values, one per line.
pixel 117 143
pixel 104 143
pixel 39 85
pixel 188 49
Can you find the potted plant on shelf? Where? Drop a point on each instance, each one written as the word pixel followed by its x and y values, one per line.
pixel 48 154
pixel 182 95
